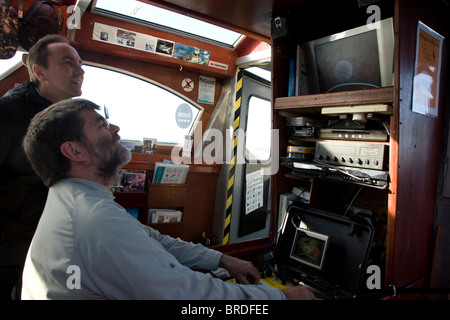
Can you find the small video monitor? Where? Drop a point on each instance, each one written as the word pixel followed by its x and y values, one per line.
pixel 310 248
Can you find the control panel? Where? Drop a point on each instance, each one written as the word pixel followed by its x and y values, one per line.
pixel 352 154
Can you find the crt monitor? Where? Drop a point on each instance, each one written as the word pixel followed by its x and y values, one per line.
pixel 359 58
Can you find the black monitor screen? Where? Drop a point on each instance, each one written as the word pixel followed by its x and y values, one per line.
pixel 348 62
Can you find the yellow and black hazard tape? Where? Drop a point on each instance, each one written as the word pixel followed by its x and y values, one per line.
pixel 232 168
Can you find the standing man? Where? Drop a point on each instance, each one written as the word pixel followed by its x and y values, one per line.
pixel 54 67
pixel 88 247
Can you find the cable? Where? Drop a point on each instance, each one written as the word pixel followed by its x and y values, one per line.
pixel 351 202
pixel 267 245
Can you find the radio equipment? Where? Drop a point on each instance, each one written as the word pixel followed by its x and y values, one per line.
pixel 356 127
pixel 356 135
pixel 352 154
pixel 303 127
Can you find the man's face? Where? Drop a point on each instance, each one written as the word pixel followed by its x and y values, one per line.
pixel 63 77
pixel 107 153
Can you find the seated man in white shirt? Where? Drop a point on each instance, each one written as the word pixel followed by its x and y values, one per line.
pixel 88 247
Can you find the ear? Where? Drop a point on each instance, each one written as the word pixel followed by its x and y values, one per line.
pixel 39 72
pixel 73 151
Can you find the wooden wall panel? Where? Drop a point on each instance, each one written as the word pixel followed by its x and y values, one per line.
pixel 200 203
pixel 420 144
pixel 18 76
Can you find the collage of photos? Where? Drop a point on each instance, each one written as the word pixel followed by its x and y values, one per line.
pixel 150 44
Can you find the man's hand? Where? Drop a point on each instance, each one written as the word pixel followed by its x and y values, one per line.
pixel 244 271
pixel 298 293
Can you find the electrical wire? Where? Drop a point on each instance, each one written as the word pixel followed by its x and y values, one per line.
pixel 353 200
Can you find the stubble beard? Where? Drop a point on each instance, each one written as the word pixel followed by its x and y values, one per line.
pixel 110 157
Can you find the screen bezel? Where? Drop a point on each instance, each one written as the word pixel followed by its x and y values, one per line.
pixel 313 235
pixel 385 40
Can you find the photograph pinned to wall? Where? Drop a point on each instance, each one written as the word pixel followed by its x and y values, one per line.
pixel 164 47
pixel 150 47
pixel 132 39
pixel 191 54
pixel 127 38
pixel 427 71
pixel 104 33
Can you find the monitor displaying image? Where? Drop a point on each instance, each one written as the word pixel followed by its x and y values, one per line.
pixel 310 248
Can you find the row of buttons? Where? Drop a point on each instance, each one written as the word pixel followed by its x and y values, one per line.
pixel 363 162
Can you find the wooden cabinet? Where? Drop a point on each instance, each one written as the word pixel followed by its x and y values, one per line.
pixel 195 199
pixel 167 196
pixel 405 210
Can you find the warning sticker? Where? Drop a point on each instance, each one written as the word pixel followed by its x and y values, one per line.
pixel 187 85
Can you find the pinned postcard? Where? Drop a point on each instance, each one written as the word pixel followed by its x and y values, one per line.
pixel 191 54
pixel 427 71
pixel 206 89
pixel 144 42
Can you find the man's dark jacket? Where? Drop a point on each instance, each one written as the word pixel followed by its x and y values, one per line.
pixel 22 194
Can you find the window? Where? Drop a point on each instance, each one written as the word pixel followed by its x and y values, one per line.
pixel 140 108
pixel 258 129
pixel 137 11
pixel 261 73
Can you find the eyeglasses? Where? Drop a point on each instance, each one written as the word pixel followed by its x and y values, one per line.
pixel 105 110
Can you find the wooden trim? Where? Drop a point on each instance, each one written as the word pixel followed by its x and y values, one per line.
pixel 393 158
pixel 360 97
pixel 218 54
